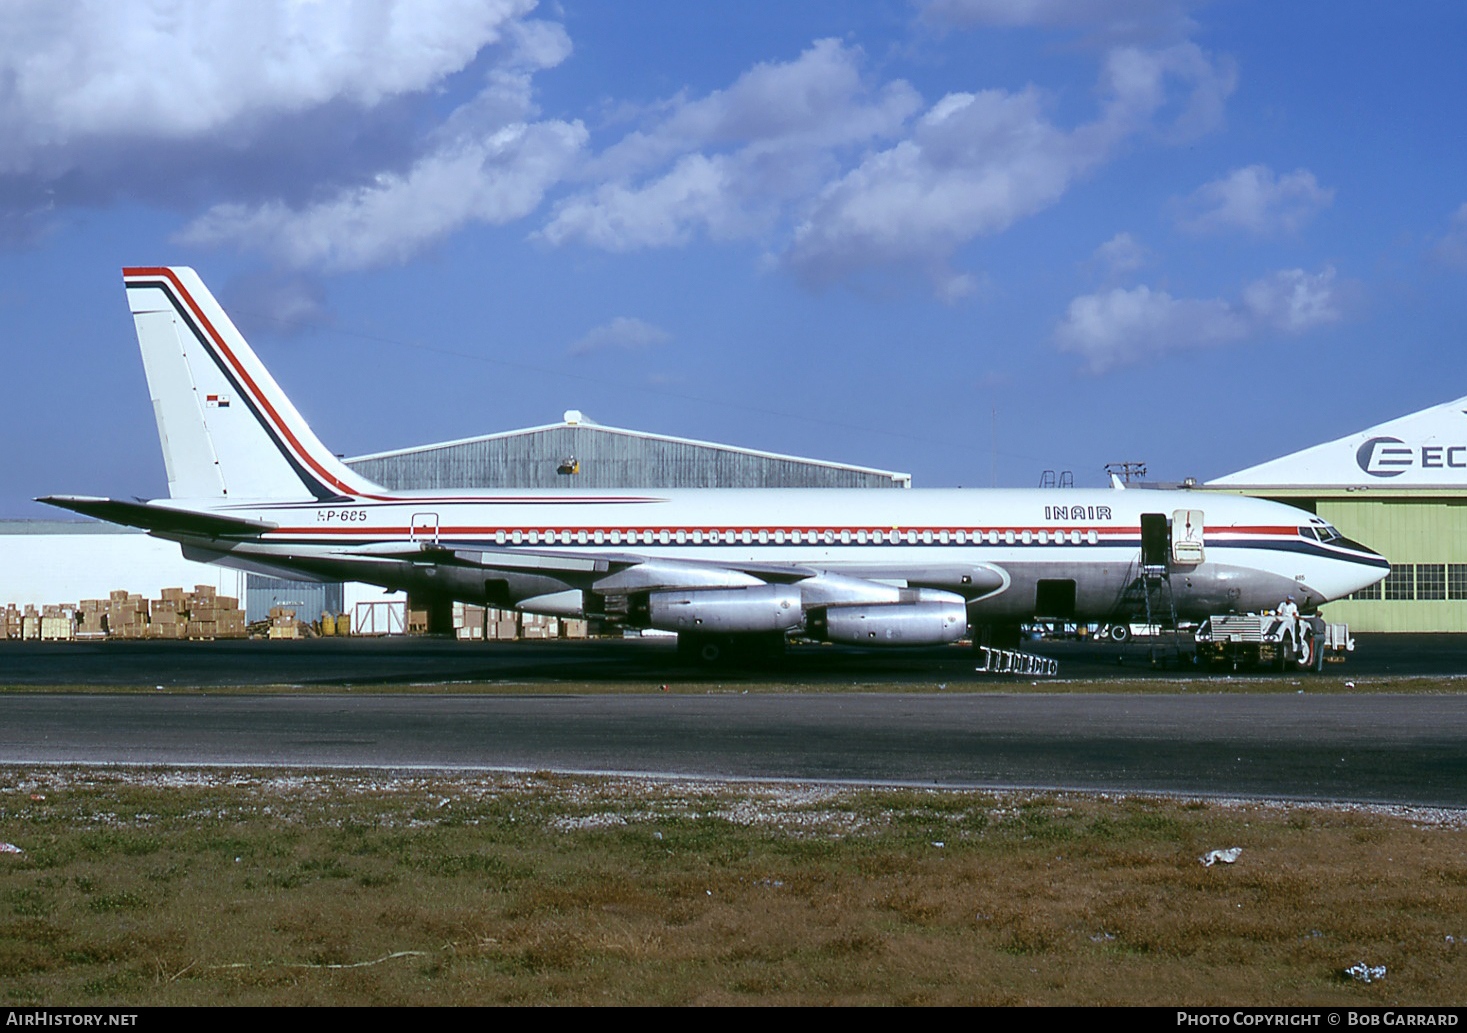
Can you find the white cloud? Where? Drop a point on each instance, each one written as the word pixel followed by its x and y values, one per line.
pixel 99 70
pixel 494 180
pixel 305 116
pixel 276 303
pixel 622 333
pixel 1120 256
pixel 838 177
pixel 1114 19
pixel 1145 83
pixel 485 164
pixel 283 122
pixel 819 100
pixel 976 163
pixel 695 194
pixel 1452 247
pixel 1122 326
pixel 730 163
pixel 1292 301
pixel 1257 201
pixel 972 166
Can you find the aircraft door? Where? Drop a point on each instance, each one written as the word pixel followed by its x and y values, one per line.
pixel 1055 598
pixel 424 527
pixel 1155 540
pixel 1187 534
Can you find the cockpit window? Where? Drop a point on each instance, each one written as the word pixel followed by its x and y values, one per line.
pixel 1328 533
pixel 1307 532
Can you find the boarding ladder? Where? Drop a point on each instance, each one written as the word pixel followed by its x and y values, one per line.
pixel 1161 610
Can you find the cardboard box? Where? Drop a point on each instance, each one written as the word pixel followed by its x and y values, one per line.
pixel 56 628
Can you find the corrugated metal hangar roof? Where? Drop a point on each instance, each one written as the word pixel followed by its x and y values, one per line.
pixel 583 454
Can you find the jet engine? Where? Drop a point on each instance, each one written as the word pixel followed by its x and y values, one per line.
pixel 718 610
pixel 928 623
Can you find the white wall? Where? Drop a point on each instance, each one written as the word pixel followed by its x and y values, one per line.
pixel 67 568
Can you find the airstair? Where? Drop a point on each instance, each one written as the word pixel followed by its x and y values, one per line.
pixel 1161 613
pixel 1154 584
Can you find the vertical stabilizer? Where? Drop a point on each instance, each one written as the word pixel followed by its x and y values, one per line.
pixel 226 428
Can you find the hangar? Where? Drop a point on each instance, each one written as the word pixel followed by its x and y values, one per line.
pixel 1399 487
pixel 580 453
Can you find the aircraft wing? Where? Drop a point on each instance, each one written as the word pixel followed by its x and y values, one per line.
pixel 150 517
pixel 632 573
pixel 615 577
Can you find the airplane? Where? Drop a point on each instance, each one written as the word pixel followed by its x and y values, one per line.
pixel 729 570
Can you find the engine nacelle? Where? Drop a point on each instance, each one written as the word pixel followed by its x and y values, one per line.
pixel 892 624
pixel 720 610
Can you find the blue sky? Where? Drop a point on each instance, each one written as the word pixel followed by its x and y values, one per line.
pixel 966 239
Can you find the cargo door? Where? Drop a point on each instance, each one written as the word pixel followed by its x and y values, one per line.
pixel 1055 598
pixel 1187 536
pixel 424 527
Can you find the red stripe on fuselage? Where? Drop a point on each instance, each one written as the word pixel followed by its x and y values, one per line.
pixel 1101 532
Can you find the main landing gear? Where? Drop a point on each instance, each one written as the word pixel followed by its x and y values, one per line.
pixel 717 650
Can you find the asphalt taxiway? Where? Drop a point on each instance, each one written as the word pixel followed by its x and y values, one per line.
pixel 348 662
pixel 1365 748
pixel 923 719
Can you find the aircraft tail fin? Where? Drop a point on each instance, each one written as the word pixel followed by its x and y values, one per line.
pixel 226 427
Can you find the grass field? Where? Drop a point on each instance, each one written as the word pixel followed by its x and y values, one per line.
pixel 140 886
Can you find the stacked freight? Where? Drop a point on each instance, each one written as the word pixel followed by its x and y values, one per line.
pixel 200 614
pixel 127 615
pixel 26 624
pixel 283 623
pixel 57 622
pixel 91 619
pixel 204 614
pixel 483 623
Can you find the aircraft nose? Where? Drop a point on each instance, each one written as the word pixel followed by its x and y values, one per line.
pixel 1354 546
pixel 1360 568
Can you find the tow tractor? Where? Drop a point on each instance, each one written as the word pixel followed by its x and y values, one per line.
pixel 1259 639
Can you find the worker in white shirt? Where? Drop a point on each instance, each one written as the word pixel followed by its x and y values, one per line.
pixel 1289 614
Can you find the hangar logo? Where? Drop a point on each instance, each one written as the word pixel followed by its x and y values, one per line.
pixel 1391 457
pixel 1383 457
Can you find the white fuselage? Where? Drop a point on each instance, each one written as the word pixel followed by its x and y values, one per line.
pixel 1254 552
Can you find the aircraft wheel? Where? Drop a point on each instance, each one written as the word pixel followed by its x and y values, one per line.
pixel 1119 632
pixel 721 650
pixel 711 652
pixel 997 636
pixel 702 649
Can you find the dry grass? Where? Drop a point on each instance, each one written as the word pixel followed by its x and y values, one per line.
pixel 149 887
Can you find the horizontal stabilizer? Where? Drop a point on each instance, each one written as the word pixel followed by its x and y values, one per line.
pixel 159 518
